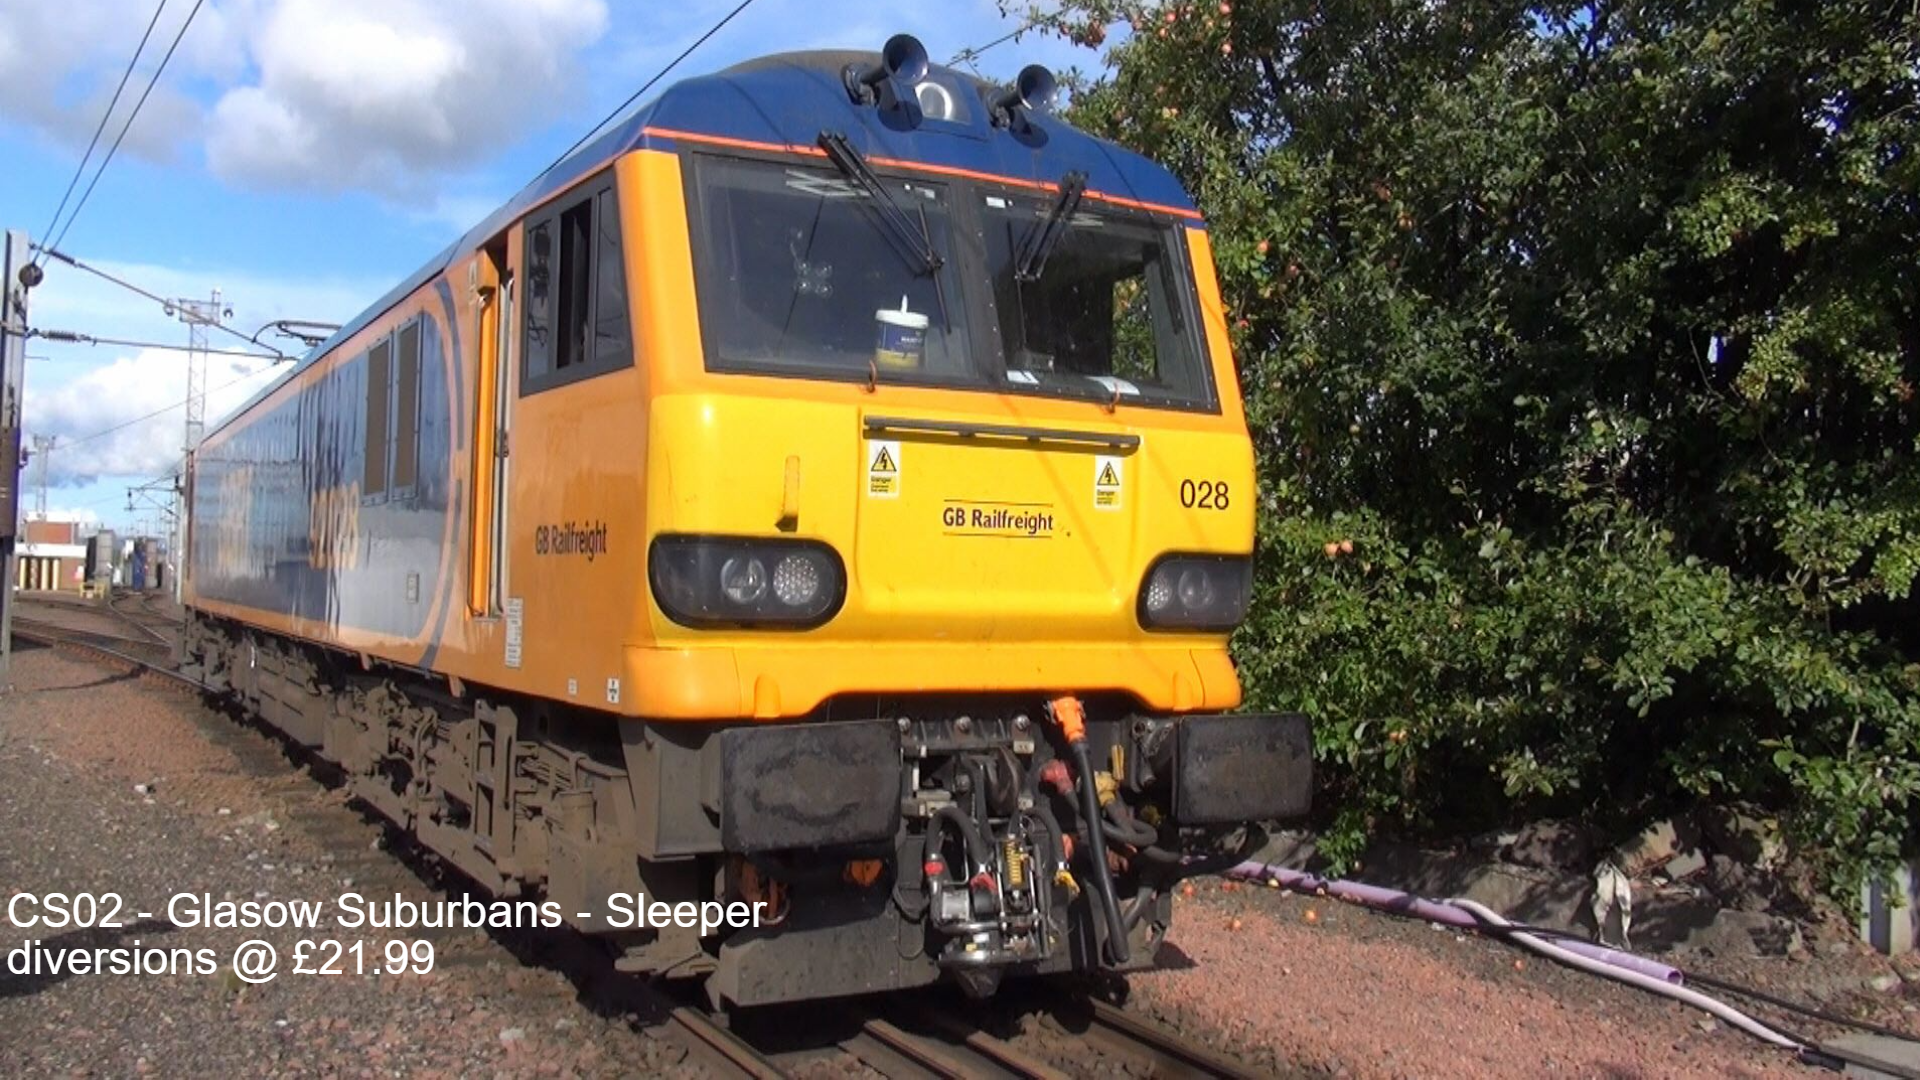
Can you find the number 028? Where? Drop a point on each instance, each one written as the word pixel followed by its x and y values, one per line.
pixel 1203 494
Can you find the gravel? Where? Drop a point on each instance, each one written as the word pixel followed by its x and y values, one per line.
pixel 112 781
pixel 1291 982
pixel 77 740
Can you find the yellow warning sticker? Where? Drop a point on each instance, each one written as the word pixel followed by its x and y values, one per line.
pixel 883 469
pixel 1106 483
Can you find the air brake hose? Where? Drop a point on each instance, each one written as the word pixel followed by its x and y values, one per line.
pixel 1072 719
pixel 977 849
pixel 977 776
pixel 1122 827
pixel 1043 810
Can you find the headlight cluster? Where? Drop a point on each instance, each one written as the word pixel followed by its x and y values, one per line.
pixel 715 581
pixel 1196 592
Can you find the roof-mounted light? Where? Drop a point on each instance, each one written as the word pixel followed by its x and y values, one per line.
pixel 1032 92
pixel 903 63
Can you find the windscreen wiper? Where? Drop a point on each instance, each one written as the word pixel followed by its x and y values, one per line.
pixel 919 249
pixel 1042 240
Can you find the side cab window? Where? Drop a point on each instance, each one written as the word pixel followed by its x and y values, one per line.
pixel 577 322
pixel 391 462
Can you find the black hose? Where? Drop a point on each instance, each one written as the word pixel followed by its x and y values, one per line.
pixel 914 904
pixel 1056 839
pixel 977 849
pixel 1122 827
pixel 1003 792
pixel 978 774
pixel 1504 932
pixel 1792 1006
pixel 1142 902
pixel 1214 863
pixel 1042 805
pixel 1102 874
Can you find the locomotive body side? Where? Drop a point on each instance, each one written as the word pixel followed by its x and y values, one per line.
pixel 607 556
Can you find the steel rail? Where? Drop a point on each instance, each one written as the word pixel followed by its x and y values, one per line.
pixel 950 1061
pixel 1124 1033
pixel 731 1050
pixel 128 617
pixel 52 635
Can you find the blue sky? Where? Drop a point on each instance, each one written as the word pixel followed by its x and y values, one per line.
pixel 303 155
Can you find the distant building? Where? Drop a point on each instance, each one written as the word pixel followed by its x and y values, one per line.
pixel 53 556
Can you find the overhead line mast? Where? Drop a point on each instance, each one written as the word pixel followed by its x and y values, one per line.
pixel 198 315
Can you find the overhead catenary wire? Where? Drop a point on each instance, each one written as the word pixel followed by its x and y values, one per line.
pixel 155 414
pixel 105 115
pixel 648 85
pixel 50 249
pixel 162 411
pixel 968 56
pixel 123 493
pixel 124 128
pixel 73 337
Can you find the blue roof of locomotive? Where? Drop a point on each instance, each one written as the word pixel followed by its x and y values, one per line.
pixel 789 99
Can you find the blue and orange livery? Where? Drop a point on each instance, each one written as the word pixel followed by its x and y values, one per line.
pixel 746 503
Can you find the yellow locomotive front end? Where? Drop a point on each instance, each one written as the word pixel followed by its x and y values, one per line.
pixel 1048 485
pixel 827 496
pixel 949 505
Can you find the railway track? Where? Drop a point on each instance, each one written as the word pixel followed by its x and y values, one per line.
pixel 933 1044
pixel 1096 1039
pixel 154 655
pixel 1125 1034
pixel 137 610
pixel 908 1038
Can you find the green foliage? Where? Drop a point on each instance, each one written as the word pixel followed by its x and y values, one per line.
pixel 1586 335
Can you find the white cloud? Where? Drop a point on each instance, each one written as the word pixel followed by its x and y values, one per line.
pixel 61 62
pixel 127 418
pixel 81 392
pixel 387 94
pixel 82 514
pixel 320 95
pixel 397 97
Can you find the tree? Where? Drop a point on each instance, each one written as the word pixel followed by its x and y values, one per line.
pixel 1579 342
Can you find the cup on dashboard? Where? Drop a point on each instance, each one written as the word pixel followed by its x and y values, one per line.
pixel 903 340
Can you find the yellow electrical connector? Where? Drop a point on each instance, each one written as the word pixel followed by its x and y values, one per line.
pixel 1063 876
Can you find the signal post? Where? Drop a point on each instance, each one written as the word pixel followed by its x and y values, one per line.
pixel 20 275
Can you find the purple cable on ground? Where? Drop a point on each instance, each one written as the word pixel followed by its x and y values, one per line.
pixel 1401 903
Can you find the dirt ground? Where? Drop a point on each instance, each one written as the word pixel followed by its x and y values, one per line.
pixel 112 782
pixel 1287 980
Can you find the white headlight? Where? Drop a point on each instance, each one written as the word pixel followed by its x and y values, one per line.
pixel 1196 589
pixel 743 579
pixel 796 581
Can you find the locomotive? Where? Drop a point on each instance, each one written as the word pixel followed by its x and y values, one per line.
pixel 827 493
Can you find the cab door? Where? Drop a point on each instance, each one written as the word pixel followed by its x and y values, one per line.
pixel 493 417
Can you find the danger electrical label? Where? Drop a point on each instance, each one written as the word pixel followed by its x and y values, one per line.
pixel 1106 483
pixel 883 469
